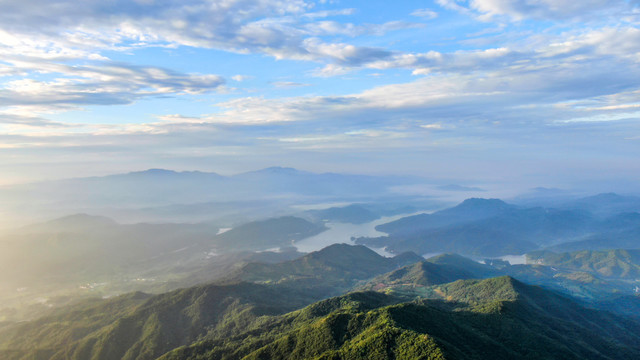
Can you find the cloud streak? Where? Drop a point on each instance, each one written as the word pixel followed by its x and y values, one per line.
pixel 556 10
pixel 476 83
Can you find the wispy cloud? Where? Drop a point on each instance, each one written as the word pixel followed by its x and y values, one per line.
pixel 288 84
pixel 102 83
pixel 540 9
pixel 425 13
pixel 460 83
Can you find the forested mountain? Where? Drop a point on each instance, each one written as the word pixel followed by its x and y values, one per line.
pixel 246 292
pixel 280 311
pixel 328 272
pixel 620 264
pixel 491 228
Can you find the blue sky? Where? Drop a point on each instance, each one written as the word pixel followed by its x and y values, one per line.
pixel 530 92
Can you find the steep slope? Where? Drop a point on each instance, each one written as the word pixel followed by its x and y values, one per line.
pixel 476 269
pixel 327 272
pixel 418 279
pixel 498 318
pixel 42 338
pixel 150 329
pixel 420 274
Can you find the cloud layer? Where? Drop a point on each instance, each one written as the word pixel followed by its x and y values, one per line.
pixel 455 86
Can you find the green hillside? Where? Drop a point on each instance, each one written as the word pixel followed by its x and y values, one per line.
pixel 607 263
pixel 327 272
pixel 498 318
pixel 149 329
pixel 416 276
pixel 421 310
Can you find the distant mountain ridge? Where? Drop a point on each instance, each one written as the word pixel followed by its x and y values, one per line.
pixel 149 195
pixel 492 228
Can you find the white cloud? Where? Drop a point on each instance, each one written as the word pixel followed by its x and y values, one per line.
pixel 345 54
pixel 241 78
pixel 435 126
pixel 559 81
pixel 425 13
pixel 104 83
pixel 65 28
pixel 331 70
pixel 288 84
pixel 328 13
pixel 540 9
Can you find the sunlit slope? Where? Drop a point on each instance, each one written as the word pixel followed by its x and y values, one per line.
pixel 495 318
pixel 498 318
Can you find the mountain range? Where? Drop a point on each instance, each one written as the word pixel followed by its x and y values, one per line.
pixel 83 255
pixel 492 228
pixel 257 314
pixel 164 195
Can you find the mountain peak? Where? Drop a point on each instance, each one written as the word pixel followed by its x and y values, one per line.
pixel 75 222
pixel 477 208
pixel 280 169
pixel 274 170
pixel 154 172
pixel 482 202
pixel 335 252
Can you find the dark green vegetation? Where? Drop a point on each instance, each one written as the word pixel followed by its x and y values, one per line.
pixel 498 318
pixel 580 282
pixel 343 302
pixel 491 227
pixel 148 329
pixel 327 272
pixel 176 318
pixel 423 310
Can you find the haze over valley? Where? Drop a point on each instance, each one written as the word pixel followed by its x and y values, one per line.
pixel 321 180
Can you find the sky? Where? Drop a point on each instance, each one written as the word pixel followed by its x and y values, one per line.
pixel 542 92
